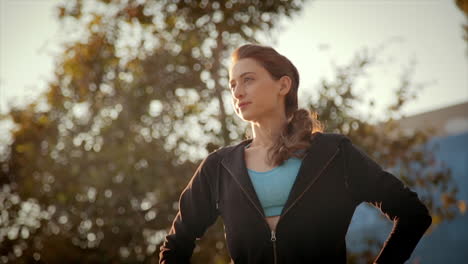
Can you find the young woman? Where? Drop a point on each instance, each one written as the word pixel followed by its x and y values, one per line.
pixel 288 192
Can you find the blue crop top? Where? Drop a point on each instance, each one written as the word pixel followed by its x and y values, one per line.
pixel 273 186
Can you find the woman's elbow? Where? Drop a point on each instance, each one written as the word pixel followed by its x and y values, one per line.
pixel 427 220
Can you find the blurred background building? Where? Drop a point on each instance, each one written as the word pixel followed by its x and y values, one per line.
pixel 447 243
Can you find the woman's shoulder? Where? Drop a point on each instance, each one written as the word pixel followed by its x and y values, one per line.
pixel 328 136
pixel 225 150
pixel 318 136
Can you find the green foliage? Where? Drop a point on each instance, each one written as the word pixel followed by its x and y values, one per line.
pixel 136 102
pixel 133 108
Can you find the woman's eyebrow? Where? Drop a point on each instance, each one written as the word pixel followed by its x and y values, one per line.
pixel 242 74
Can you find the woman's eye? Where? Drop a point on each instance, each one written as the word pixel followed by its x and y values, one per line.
pixel 245 80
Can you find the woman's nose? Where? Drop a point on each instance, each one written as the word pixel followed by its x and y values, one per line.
pixel 238 91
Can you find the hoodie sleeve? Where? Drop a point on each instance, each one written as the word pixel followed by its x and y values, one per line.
pixel 197 212
pixel 368 182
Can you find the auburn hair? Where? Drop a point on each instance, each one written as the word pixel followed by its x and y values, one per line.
pixel 302 123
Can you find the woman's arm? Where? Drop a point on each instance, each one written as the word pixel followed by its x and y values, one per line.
pixel 368 182
pixel 196 213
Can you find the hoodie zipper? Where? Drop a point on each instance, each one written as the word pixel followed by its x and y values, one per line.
pixel 273 239
pixel 273 232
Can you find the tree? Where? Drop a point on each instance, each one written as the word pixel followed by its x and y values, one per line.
pixel 139 97
pixel 133 106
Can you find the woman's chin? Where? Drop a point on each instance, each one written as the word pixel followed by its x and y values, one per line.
pixel 242 116
pixel 247 117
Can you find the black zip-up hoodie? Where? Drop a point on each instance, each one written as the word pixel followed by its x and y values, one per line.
pixel 334 178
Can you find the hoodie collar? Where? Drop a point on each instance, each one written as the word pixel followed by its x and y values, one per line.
pixel 315 160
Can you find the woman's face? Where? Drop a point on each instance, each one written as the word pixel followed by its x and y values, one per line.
pixel 252 84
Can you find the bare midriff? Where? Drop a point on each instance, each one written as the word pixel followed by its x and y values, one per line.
pixel 272 221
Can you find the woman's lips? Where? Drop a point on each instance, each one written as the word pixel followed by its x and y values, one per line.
pixel 243 105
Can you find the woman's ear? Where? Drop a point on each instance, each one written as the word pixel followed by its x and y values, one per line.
pixel 285 83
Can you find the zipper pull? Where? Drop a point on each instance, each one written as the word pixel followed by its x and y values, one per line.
pixel 273 235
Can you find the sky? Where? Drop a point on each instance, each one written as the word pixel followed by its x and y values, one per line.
pixel 428 32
